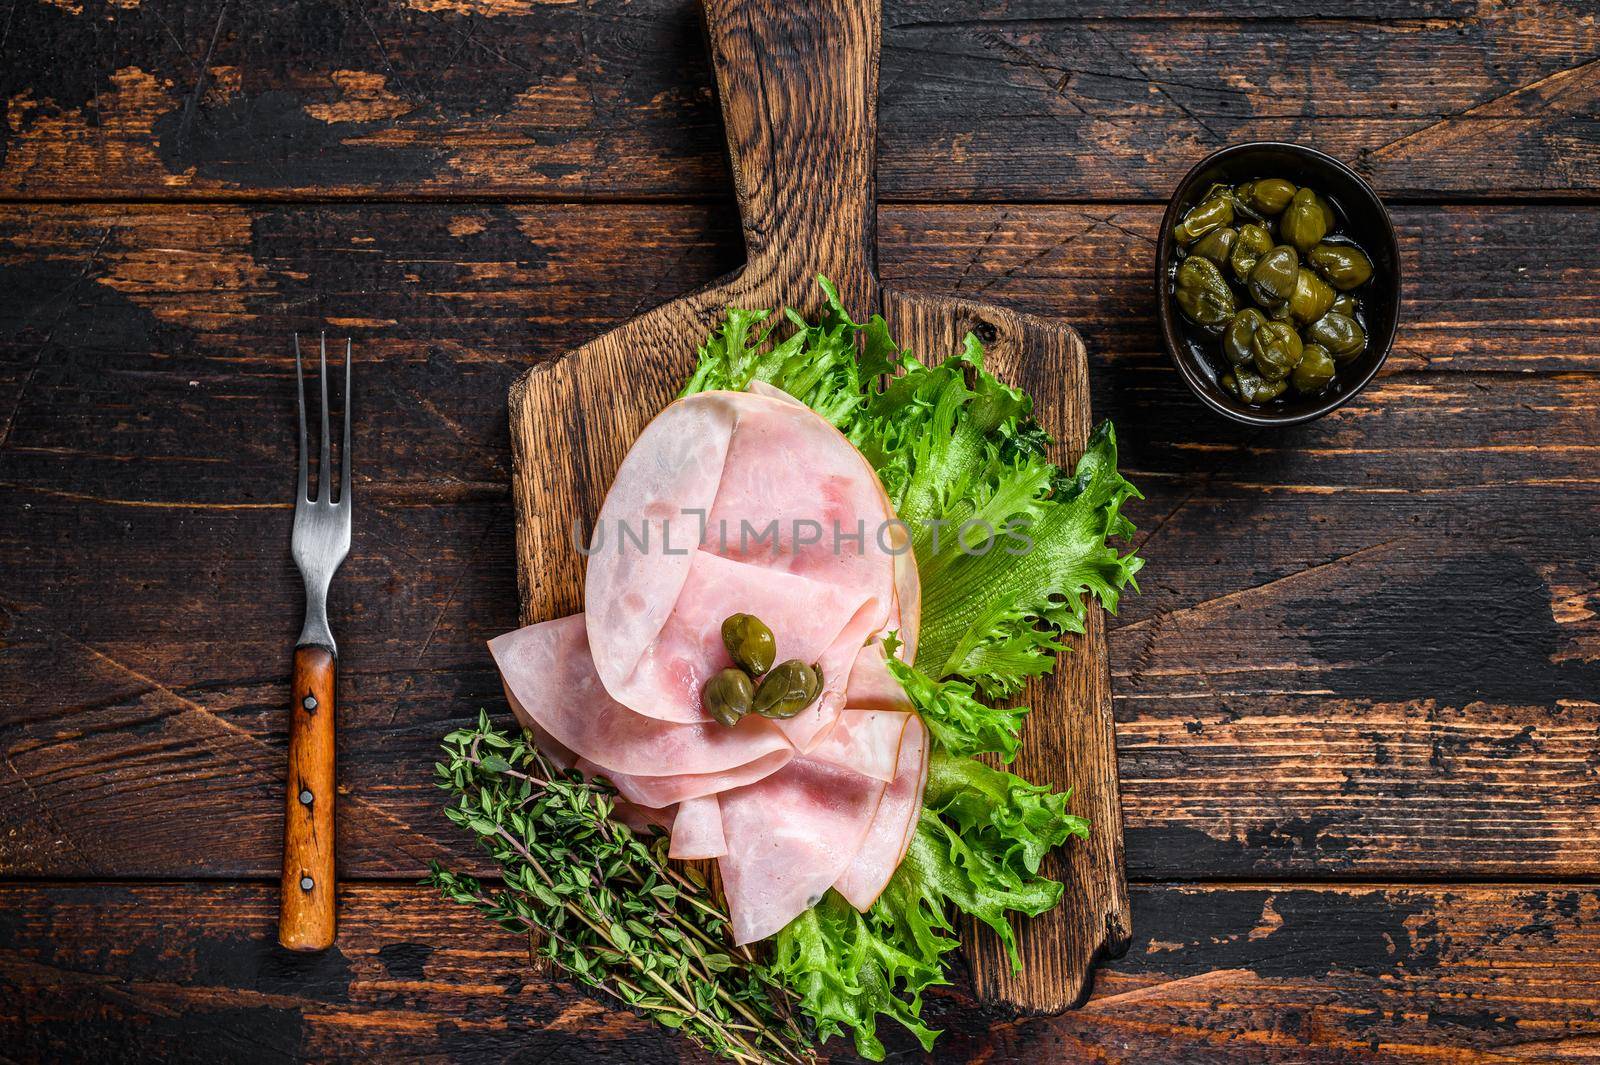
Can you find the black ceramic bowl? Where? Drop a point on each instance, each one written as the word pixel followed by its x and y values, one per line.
pixel 1361 216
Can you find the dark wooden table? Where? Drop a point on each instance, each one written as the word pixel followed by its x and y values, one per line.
pixel 1357 701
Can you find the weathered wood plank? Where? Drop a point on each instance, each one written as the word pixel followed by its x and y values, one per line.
pixel 1500 102
pixel 1216 973
pixel 453 98
pixel 1486 288
pixel 1365 647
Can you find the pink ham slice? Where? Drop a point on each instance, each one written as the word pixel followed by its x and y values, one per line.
pixel 741 502
pixel 872 686
pixel 808 619
pixel 789 837
pixel 908 601
pixel 697 830
pixel 896 540
pixel 893 823
pixel 866 742
pixel 791 512
pixel 672 788
pixel 551 683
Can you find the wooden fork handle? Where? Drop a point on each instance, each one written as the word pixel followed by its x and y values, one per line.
pixel 306 907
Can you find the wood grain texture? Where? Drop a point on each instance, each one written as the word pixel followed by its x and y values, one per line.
pixel 1328 975
pixel 1012 99
pixel 1269 730
pixel 307 917
pixel 1070 740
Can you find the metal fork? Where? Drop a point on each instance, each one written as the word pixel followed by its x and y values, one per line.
pixel 306 915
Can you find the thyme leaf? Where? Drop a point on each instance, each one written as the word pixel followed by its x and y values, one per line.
pixel 603 904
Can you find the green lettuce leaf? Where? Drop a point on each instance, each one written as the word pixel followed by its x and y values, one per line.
pixel 976 851
pixel 999 811
pixel 819 364
pixel 959 721
pixel 847 972
pixel 996 617
pixel 1010 550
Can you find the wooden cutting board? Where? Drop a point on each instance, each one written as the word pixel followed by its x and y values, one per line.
pixel 798 85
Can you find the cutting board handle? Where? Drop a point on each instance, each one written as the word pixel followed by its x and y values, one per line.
pixel 798 83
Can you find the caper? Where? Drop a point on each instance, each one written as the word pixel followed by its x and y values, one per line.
pixel 1340 334
pixel 749 643
pixel 1216 245
pixel 1314 371
pixel 1250 387
pixel 1211 214
pixel 1236 338
pixel 1248 247
pixel 1203 294
pixel 1268 195
pixel 1275 348
pixel 1273 279
pixel 1345 304
pixel 1344 266
pixel 727 696
pixel 789 688
pixel 1311 297
pixel 1306 220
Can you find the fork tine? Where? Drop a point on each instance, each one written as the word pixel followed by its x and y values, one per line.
pixel 344 448
pixel 325 463
pixel 300 407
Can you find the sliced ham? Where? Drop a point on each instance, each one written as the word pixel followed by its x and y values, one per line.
pixel 762 388
pixel 872 686
pixel 907 623
pixel 865 742
pixel 786 513
pixel 551 683
pixel 907 615
pixel 668 788
pixel 789 837
pixel 673 468
pixel 741 503
pixel 697 830
pixel 808 619
pixel 894 822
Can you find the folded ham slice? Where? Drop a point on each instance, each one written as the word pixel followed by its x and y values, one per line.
pixel 789 837
pixel 896 540
pixel 893 823
pixel 872 686
pixel 665 789
pixel 865 742
pixel 551 683
pixel 697 830
pixel 814 825
pixel 786 515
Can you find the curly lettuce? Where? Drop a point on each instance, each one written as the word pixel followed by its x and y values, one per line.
pixel 976 851
pixel 1011 550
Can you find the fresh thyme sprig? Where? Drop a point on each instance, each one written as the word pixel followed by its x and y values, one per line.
pixel 604 904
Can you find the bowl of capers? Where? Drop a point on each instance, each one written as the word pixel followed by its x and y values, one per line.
pixel 1279 282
